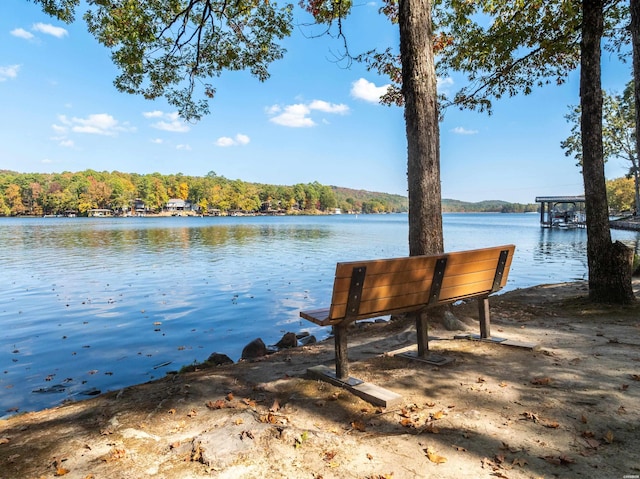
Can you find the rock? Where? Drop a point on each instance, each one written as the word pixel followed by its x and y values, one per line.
pixel 289 340
pixel 308 340
pixel 255 349
pixel 218 359
pixel 451 323
pixel 303 334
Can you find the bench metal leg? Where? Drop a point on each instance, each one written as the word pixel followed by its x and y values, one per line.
pixel 422 331
pixel 342 361
pixel 485 318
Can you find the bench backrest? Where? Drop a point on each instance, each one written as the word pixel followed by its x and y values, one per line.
pixel 366 289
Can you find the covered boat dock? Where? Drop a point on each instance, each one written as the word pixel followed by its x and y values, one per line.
pixel 562 211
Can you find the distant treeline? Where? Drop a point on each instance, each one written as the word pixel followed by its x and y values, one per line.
pixel 40 194
pixel 78 193
pixel 490 206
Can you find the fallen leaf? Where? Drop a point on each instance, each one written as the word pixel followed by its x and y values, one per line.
pixel 481 380
pixel 275 407
pixel 329 455
pixel 230 397
pixel 431 428
pixel 622 410
pixel 624 387
pixel 438 415
pixel 238 421
pixel 4 440
pixel 503 384
pixel 541 381
pixel 564 459
pixel 358 426
pixel 551 424
pixel 370 457
pixel 588 434
pixel 249 402
pixel 407 422
pixel 192 413
pixel 430 404
pixel 219 404
pixel 635 377
pixel 61 471
pixel 583 418
pixel 608 437
pixel 433 457
pixel 519 461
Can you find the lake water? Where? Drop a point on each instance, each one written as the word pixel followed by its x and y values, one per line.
pixel 96 304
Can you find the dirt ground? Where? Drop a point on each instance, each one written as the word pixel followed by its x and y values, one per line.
pixel 570 408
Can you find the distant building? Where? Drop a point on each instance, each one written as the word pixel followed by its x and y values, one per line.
pixel 178 204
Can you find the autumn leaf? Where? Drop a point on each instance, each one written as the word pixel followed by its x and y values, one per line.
pixel 430 404
pixel 329 455
pixel 249 402
pixel 438 415
pixel 502 384
pixel 608 437
pixel 635 377
pixel 219 404
pixel 238 421
pixel 4 440
pixel 230 397
pixel 621 410
pixel 550 424
pixel 370 457
pixel 541 381
pixel 61 471
pixel 192 413
pixel 407 422
pixel 275 407
pixel 358 426
pixel 433 457
pixel 519 461
pixel 431 428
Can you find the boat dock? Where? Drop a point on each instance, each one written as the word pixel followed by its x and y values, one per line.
pixel 562 211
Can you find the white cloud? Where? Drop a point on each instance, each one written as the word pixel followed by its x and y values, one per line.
pixel 367 91
pixel 298 115
pixel 169 121
pixel 183 147
pixel 96 124
pixel 10 71
pixel 22 33
pixel 444 85
pixel 157 141
pixel 47 161
pixel 459 130
pixel 67 143
pixel 49 29
pixel 327 107
pixel 240 139
pixel 153 114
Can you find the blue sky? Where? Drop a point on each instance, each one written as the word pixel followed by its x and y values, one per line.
pixel 313 120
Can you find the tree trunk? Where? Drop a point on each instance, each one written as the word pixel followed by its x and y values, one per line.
pixel 634 6
pixel 609 265
pixel 421 119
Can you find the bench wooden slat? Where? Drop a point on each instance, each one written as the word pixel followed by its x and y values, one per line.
pixel 406 289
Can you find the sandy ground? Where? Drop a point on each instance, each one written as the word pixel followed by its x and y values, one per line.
pixel 568 409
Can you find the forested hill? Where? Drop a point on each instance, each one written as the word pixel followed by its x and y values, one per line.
pixel 489 206
pixel 80 192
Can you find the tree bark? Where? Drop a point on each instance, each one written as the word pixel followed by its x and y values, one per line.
pixel 609 265
pixel 421 120
pixel 634 6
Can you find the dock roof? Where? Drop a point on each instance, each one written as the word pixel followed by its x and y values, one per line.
pixel 560 199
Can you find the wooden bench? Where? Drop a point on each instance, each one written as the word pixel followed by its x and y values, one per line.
pixel 368 289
